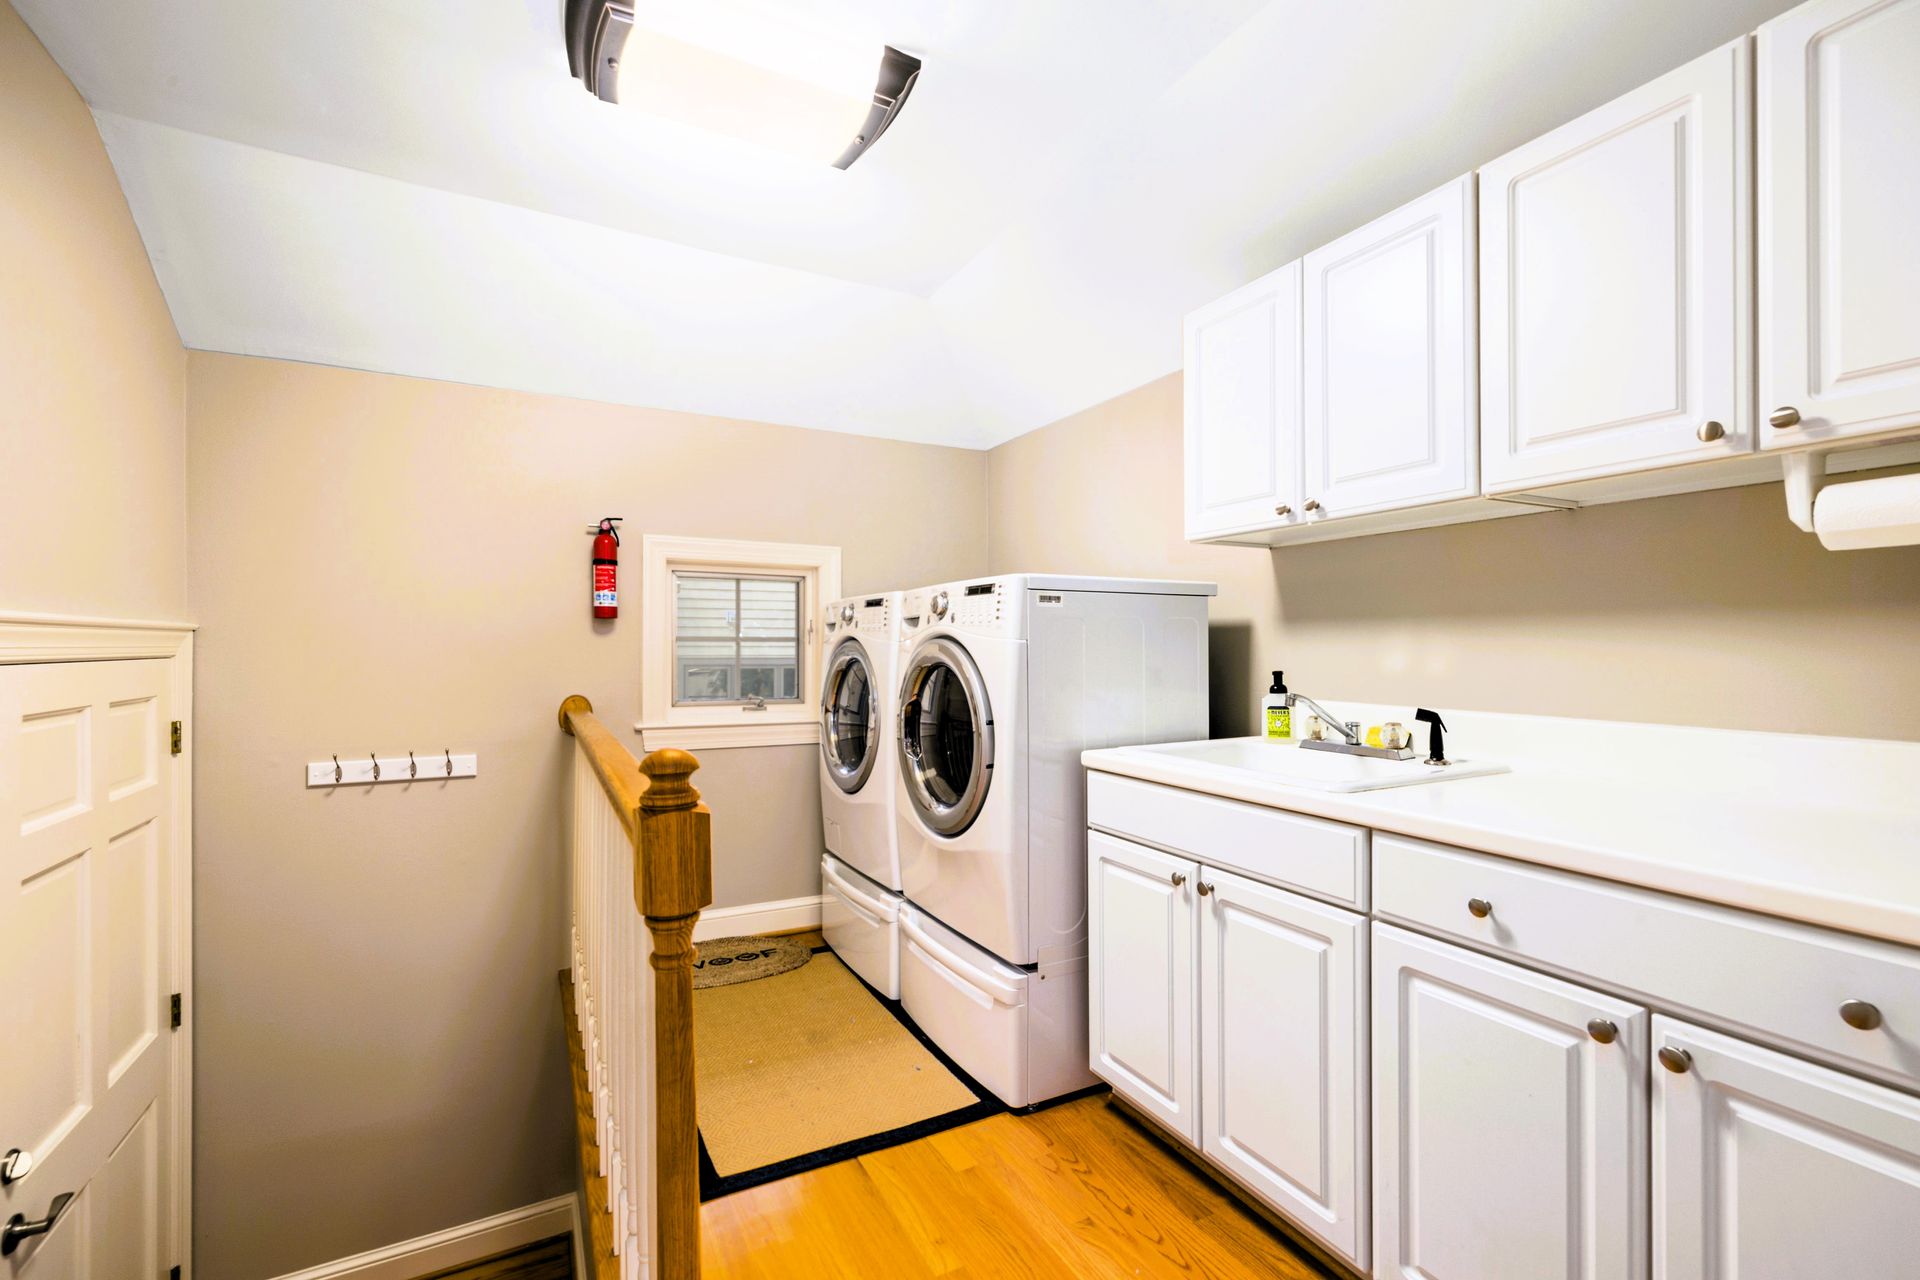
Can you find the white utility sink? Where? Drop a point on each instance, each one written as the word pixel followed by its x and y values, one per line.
pixel 1287 763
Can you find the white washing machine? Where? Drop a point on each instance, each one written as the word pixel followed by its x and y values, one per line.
pixel 860 874
pixel 1003 683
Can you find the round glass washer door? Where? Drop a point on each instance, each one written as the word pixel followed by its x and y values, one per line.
pixel 849 717
pixel 946 736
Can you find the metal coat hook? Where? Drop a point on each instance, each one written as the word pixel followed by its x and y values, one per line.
pixel 337 775
pixel 413 766
pixel 376 765
pixel 449 762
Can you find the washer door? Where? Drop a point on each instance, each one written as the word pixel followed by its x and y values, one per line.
pixel 946 736
pixel 849 717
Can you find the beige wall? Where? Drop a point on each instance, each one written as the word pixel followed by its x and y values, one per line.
pixel 92 375
pixel 380 563
pixel 1707 609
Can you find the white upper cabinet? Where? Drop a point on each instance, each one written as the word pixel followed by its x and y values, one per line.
pixel 1390 416
pixel 1510 1121
pixel 1839 197
pixel 1614 266
pixel 1243 408
pixel 1283 1053
pixel 1140 978
pixel 1765 1165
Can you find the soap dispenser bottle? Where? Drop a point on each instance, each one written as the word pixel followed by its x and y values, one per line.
pixel 1275 715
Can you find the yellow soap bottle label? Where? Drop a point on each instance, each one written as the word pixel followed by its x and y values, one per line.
pixel 1279 722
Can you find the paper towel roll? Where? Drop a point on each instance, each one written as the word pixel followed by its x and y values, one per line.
pixel 1868 513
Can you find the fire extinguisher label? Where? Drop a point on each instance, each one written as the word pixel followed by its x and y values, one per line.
pixel 604 594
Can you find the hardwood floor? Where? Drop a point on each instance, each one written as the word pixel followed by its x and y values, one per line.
pixel 1076 1190
pixel 546 1260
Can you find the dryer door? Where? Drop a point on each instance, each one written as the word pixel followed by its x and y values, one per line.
pixel 849 717
pixel 946 736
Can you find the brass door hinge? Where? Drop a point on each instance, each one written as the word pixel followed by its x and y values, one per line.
pixel 174 737
pixel 175 1004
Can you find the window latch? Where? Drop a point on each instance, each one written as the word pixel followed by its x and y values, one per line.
pixel 758 704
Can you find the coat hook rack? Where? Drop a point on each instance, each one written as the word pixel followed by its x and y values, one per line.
pixel 377 769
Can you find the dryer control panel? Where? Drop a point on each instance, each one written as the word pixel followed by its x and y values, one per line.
pixel 984 605
pixel 869 615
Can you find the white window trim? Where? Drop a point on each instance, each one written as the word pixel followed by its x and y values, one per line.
pixel 712 727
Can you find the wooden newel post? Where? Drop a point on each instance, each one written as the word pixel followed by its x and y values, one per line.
pixel 672 881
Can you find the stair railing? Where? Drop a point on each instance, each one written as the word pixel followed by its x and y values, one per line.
pixel 642 868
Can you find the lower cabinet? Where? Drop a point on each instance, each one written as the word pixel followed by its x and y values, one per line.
pixel 1140 978
pixel 1510 1120
pixel 1765 1165
pixel 1266 1074
pixel 1283 1059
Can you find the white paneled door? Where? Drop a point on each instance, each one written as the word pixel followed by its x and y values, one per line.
pixel 1391 402
pixel 85 915
pixel 1765 1165
pixel 1839 184
pixel 1510 1121
pixel 1140 1014
pixel 1614 260
pixel 1283 1054
pixel 1242 393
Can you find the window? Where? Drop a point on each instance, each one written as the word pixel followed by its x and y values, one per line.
pixel 731 641
pixel 736 638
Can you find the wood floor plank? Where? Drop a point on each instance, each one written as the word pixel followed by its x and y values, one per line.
pixel 1077 1190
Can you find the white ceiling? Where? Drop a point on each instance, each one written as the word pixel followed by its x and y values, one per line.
pixel 421 188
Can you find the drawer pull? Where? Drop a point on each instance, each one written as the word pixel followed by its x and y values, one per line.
pixel 1179 878
pixel 1860 1015
pixel 1479 908
pixel 1602 1030
pixel 1205 888
pixel 1678 1061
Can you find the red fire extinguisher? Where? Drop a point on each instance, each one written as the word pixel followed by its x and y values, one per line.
pixel 606 568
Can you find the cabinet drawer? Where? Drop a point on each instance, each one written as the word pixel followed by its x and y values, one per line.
pixel 1780 980
pixel 1325 859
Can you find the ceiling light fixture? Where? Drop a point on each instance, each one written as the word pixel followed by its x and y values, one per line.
pixel 806 100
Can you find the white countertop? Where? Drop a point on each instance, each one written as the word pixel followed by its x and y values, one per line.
pixel 1821 830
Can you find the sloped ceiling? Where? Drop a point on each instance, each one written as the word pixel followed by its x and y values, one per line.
pixel 420 188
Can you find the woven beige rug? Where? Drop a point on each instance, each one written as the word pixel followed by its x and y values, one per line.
pixel 806 1060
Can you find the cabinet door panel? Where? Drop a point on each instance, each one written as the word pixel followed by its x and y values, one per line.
pixel 1391 417
pixel 1509 1143
pixel 1283 1053
pixel 1140 981
pixel 1613 284
pixel 1839 171
pixel 1765 1165
pixel 1243 407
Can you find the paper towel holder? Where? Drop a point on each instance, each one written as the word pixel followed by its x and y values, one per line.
pixel 1805 476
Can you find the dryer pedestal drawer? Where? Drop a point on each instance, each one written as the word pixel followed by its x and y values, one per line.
pixel 1324 859
pixel 1772 977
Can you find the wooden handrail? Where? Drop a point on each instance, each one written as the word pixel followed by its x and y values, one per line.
pixel 671 833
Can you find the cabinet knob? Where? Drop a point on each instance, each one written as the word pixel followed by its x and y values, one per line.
pixel 1783 417
pixel 1313 504
pixel 1179 878
pixel 1479 908
pixel 1860 1015
pixel 1711 431
pixel 1602 1030
pixel 1205 888
pixel 1283 510
pixel 1678 1061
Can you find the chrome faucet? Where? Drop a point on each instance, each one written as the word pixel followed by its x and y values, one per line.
pixel 1350 729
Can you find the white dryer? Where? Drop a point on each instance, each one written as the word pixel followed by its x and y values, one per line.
pixel 860 874
pixel 1003 683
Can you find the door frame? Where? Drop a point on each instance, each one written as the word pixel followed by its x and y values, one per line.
pixel 27 638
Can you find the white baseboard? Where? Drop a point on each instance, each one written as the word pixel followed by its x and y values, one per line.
pixel 456 1246
pixel 759 917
